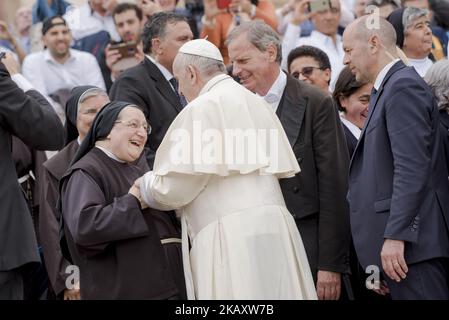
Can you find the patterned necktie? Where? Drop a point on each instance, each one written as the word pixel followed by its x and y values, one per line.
pixel 181 98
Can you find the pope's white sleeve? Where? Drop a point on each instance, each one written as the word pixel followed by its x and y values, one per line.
pixel 171 191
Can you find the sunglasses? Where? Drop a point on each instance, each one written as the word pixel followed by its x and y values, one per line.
pixel 306 72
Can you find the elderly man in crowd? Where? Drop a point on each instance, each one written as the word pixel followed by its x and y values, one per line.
pixel 241 233
pixel 315 196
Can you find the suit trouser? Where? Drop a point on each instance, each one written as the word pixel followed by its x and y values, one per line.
pixel 427 280
pixel 11 285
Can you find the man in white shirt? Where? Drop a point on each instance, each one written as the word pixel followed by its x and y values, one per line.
pixel 57 69
pixel 91 18
pixel 414 36
pixel 324 36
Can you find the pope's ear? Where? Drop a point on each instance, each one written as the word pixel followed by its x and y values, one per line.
pixel 192 73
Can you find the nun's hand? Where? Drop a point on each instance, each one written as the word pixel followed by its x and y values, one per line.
pixel 135 191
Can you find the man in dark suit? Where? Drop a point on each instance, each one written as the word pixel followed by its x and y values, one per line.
pixel 398 187
pixel 31 118
pixel 316 195
pixel 150 85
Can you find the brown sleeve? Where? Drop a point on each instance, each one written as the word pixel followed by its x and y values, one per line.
pixel 92 222
pixel 49 230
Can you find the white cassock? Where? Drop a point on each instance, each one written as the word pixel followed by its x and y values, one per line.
pixel 244 242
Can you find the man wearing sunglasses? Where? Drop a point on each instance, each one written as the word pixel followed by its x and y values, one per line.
pixel 311 65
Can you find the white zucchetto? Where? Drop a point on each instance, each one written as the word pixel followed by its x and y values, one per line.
pixel 202 48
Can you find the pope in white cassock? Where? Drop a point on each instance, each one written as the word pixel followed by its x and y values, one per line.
pixel 218 166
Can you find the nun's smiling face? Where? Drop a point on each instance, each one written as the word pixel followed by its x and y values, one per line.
pixel 129 134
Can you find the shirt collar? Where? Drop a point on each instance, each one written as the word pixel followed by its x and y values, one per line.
pixel 212 82
pixel 110 154
pixel 167 74
pixel 49 58
pixel 277 89
pixel 352 127
pixel 381 76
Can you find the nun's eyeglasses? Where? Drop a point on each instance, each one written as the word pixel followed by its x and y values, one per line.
pixel 135 125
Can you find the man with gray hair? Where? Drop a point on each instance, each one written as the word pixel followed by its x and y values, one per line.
pixel 316 197
pixel 219 166
pixel 413 36
pixel 398 182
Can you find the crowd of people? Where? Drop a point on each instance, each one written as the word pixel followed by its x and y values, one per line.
pixel 225 150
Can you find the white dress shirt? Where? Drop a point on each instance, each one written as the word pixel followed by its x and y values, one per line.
pixel 83 22
pixel 381 75
pixel 48 76
pixel 274 95
pixel 317 39
pixel 352 127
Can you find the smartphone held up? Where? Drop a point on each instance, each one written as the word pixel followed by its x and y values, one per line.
pixel 319 5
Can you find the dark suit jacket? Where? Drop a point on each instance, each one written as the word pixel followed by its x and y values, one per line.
pixel 316 195
pixel 31 118
pixel 444 120
pixel 27 159
pixel 398 187
pixel 145 86
pixel 351 140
